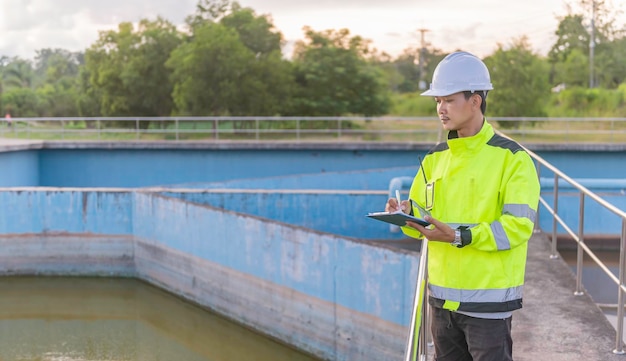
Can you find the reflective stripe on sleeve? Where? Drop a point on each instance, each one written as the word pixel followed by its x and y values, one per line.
pixel 520 210
pixel 502 240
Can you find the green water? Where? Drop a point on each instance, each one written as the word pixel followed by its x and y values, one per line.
pixel 118 319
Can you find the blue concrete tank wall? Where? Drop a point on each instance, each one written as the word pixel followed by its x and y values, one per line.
pixel 369 179
pixel 141 167
pixel 19 168
pixel 336 212
pixel 586 164
pixel 598 221
pixel 336 296
pixel 65 211
pixel 113 165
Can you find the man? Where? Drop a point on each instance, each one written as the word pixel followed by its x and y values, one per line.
pixel 482 193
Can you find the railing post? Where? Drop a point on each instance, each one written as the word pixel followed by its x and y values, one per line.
pixel 136 128
pixel 98 128
pixel 579 249
pixel 256 125
pixel 339 129
pixel 176 128
pixel 554 254
pixel 424 335
pixel 537 227
pixel 298 129
pixel 416 326
pixel 619 340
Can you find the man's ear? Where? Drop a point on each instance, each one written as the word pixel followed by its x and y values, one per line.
pixel 476 100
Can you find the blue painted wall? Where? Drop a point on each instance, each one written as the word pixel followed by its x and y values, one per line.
pixel 374 280
pixel 140 168
pixel 19 168
pixel 150 167
pixel 65 211
pixel 330 169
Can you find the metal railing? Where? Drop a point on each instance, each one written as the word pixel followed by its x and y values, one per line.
pixel 427 129
pixel 582 248
pixel 416 340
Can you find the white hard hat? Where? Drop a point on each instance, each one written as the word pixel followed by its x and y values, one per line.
pixel 457 72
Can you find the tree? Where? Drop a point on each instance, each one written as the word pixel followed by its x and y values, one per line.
pixel 231 67
pixel 207 11
pixel 20 102
pixel 571 35
pixel 575 33
pixel 573 70
pixel 520 81
pixel 273 74
pixel 127 69
pixel 17 96
pixel 407 65
pixel 17 73
pixel 56 75
pixel 209 70
pixel 257 33
pixel 334 77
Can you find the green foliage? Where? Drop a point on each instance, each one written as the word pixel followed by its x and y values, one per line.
pixel 412 105
pixel 56 73
pixel 127 70
pixel 570 55
pixel 20 102
pixel 571 35
pixel 334 78
pixel 609 64
pixel 18 73
pixel 520 81
pixel 233 67
pixel 229 61
pixel 257 33
pixel 408 68
pixel 573 70
pixel 584 102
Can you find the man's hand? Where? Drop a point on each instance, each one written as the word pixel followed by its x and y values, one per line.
pixel 392 206
pixel 437 231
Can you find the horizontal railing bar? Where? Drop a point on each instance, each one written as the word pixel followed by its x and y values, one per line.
pixel 310 118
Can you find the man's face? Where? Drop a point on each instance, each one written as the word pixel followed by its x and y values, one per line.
pixel 455 112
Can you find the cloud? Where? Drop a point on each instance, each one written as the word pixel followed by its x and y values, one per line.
pixel 29 25
pixel 286 6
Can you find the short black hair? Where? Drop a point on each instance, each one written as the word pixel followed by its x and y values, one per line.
pixel 483 96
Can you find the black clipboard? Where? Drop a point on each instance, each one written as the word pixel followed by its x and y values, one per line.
pixel 398 218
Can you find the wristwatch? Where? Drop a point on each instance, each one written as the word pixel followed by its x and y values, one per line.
pixel 458 242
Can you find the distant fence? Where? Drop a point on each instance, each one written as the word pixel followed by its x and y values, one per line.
pixel 375 129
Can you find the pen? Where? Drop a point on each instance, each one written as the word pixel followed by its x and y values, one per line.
pixel 398 199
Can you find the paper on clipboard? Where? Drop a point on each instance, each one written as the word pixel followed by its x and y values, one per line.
pixel 398 218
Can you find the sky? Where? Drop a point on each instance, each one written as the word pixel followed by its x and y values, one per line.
pixel 476 26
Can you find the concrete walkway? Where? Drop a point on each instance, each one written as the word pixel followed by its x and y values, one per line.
pixel 554 324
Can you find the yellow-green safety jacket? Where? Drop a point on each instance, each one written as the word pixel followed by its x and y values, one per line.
pixel 487 186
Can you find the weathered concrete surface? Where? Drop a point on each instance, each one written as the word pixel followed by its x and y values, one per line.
pixel 555 324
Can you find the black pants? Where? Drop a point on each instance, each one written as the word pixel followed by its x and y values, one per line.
pixel 458 337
